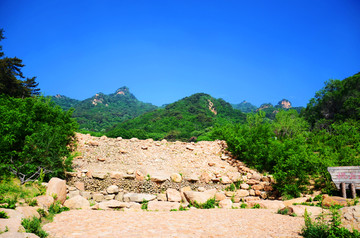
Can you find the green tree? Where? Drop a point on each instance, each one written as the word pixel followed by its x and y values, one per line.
pixel 337 101
pixel 36 137
pixel 12 80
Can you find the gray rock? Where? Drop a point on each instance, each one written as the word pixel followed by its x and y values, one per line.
pixel 138 197
pixel 226 203
pixel 99 174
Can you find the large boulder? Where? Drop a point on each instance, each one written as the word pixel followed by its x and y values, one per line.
pixel 200 197
pixel 329 201
pixel 113 204
pixel 162 206
pixel 138 197
pixel 28 212
pixel 44 201
pixel 13 223
pixel 77 202
pixel 57 187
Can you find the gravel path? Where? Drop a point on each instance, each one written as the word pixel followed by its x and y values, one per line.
pixel 193 223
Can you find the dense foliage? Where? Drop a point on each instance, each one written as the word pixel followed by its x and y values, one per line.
pixel 12 80
pixel 104 111
pixel 190 117
pixel 295 148
pixel 245 107
pixel 337 101
pixel 36 137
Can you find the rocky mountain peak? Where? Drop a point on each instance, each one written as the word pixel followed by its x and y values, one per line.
pixel 285 104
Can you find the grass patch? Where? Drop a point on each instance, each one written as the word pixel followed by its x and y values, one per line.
pixel 144 204
pixel 11 190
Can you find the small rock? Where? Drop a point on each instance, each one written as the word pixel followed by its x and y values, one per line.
pixel 101 159
pixel 229 193
pixel 109 196
pixel 158 178
pixel 220 196
pixel 257 187
pixel 86 195
pixel 225 180
pixel 99 175
pixel 144 147
pixel 173 195
pixel 119 196
pixel 201 189
pixel 205 177
pixel 161 197
pixel 244 186
pixel 191 148
pixel 182 190
pixel 176 178
pixel 112 189
pixel 139 176
pixel 226 203
pixel 211 164
pixel 98 197
pixel 193 178
pixel 242 193
pixel 116 175
pixel 80 186
pixel 72 194
pixel 130 171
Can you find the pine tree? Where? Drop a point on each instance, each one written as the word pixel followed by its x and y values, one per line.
pixel 12 80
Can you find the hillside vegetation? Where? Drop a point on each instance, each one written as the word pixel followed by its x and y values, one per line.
pixel 104 111
pixel 191 117
pixel 299 148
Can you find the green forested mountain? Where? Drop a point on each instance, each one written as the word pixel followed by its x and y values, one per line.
pixel 104 111
pixel 244 106
pixel 65 102
pixel 187 118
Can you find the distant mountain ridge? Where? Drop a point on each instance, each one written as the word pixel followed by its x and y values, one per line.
pixel 190 117
pixel 102 111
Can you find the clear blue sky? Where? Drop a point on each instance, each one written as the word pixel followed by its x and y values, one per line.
pixel 259 51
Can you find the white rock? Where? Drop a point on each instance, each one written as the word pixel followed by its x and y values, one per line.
pixel 112 189
pixel 138 197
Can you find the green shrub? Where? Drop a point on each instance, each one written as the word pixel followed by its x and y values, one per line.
pixel 32 202
pixel 33 225
pixel 37 137
pixel 3 215
pixel 231 187
pixel 256 206
pixel 144 204
pixel 57 208
pixel 243 205
pixel 325 228
pixel 209 204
